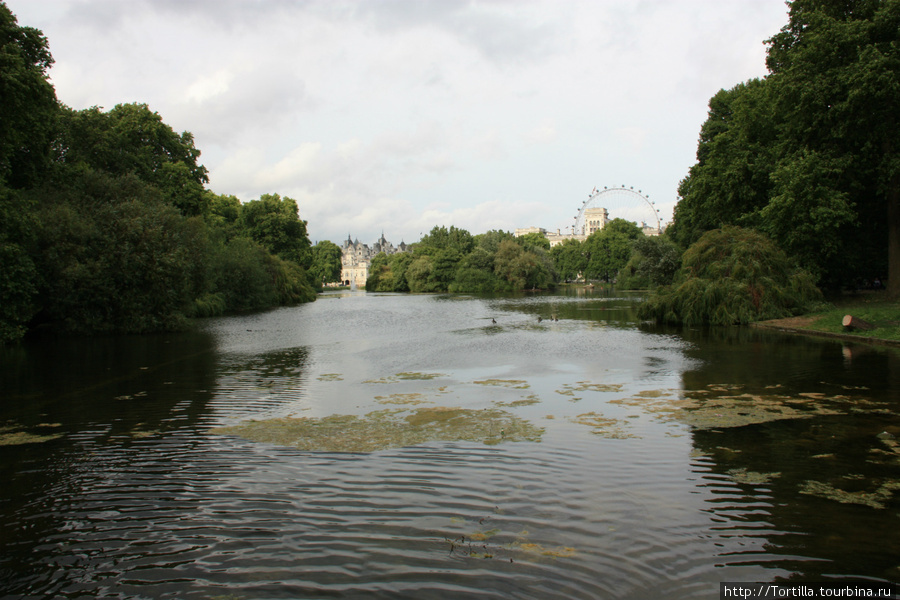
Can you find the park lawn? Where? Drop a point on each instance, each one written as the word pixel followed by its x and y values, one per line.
pixel 873 307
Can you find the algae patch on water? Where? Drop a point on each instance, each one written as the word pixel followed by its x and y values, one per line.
pixel 330 377
pixel 391 428
pixel 494 543
pixel 744 476
pixel 603 426
pixel 412 398
pixel 875 499
pixel 406 376
pixel 11 434
pixel 527 401
pixel 721 406
pixel 516 384
pixel 587 386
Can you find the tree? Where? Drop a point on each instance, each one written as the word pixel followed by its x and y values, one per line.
pixel 18 274
pixel 733 276
pixel 735 159
pixel 326 262
pixel 490 240
pixel 28 110
pixel 475 273
pixel 809 155
pixel 608 250
pixel 399 265
pixel 654 262
pixel 440 238
pixel 418 275
pixel 380 278
pixel 28 106
pixel 535 242
pixel 223 213
pixel 445 263
pixel 115 257
pixel 836 67
pixel 519 269
pixel 131 138
pixel 569 259
pixel 274 222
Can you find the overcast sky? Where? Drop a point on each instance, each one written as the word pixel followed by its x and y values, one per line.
pixel 399 115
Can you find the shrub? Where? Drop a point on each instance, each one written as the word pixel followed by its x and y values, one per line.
pixel 733 276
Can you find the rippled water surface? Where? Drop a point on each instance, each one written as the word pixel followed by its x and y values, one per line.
pixel 645 480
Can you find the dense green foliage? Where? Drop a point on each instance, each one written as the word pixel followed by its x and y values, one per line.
pixel 454 260
pixel 603 255
pixel 326 263
pixel 131 138
pixel 809 154
pixel 105 223
pixel 28 108
pixel 654 262
pixel 609 249
pixel 733 276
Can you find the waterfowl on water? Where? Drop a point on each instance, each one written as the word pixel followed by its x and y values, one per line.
pixel 494 321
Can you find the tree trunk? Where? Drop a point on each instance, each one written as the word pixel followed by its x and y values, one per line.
pixel 850 322
pixel 893 198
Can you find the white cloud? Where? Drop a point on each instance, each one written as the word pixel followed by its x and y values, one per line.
pixel 399 114
pixel 542 134
pixel 210 86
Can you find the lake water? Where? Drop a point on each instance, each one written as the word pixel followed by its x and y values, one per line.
pixel 585 455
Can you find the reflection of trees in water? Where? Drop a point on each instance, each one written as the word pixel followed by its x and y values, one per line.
pixel 250 383
pixel 771 467
pixel 115 380
pixel 130 462
pixel 754 357
pixel 825 487
pixel 579 303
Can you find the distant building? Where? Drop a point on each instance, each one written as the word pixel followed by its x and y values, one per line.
pixel 356 257
pixel 595 219
pixel 527 230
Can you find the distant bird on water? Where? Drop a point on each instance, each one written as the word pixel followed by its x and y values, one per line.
pixel 540 319
pixel 494 321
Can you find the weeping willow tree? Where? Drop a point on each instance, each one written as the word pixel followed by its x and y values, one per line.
pixel 733 276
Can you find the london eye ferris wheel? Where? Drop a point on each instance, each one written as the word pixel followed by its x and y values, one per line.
pixel 620 203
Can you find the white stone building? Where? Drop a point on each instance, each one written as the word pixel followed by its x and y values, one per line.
pixel 356 257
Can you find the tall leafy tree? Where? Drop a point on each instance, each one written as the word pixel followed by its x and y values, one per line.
pixel 28 105
pixel 326 262
pixel 520 269
pixel 836 68
pixel 440 238
pixel 132 139
pixel 608 250
pixel 809 155
pixel 475 272
pixel 569 259
pixel 274 222
pixel 490 240
pixel 28 110
pixel 116 257
pixel 735 158
pixel 534 242
pixel 654 262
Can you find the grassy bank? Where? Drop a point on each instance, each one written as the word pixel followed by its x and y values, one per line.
pixel 875 308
